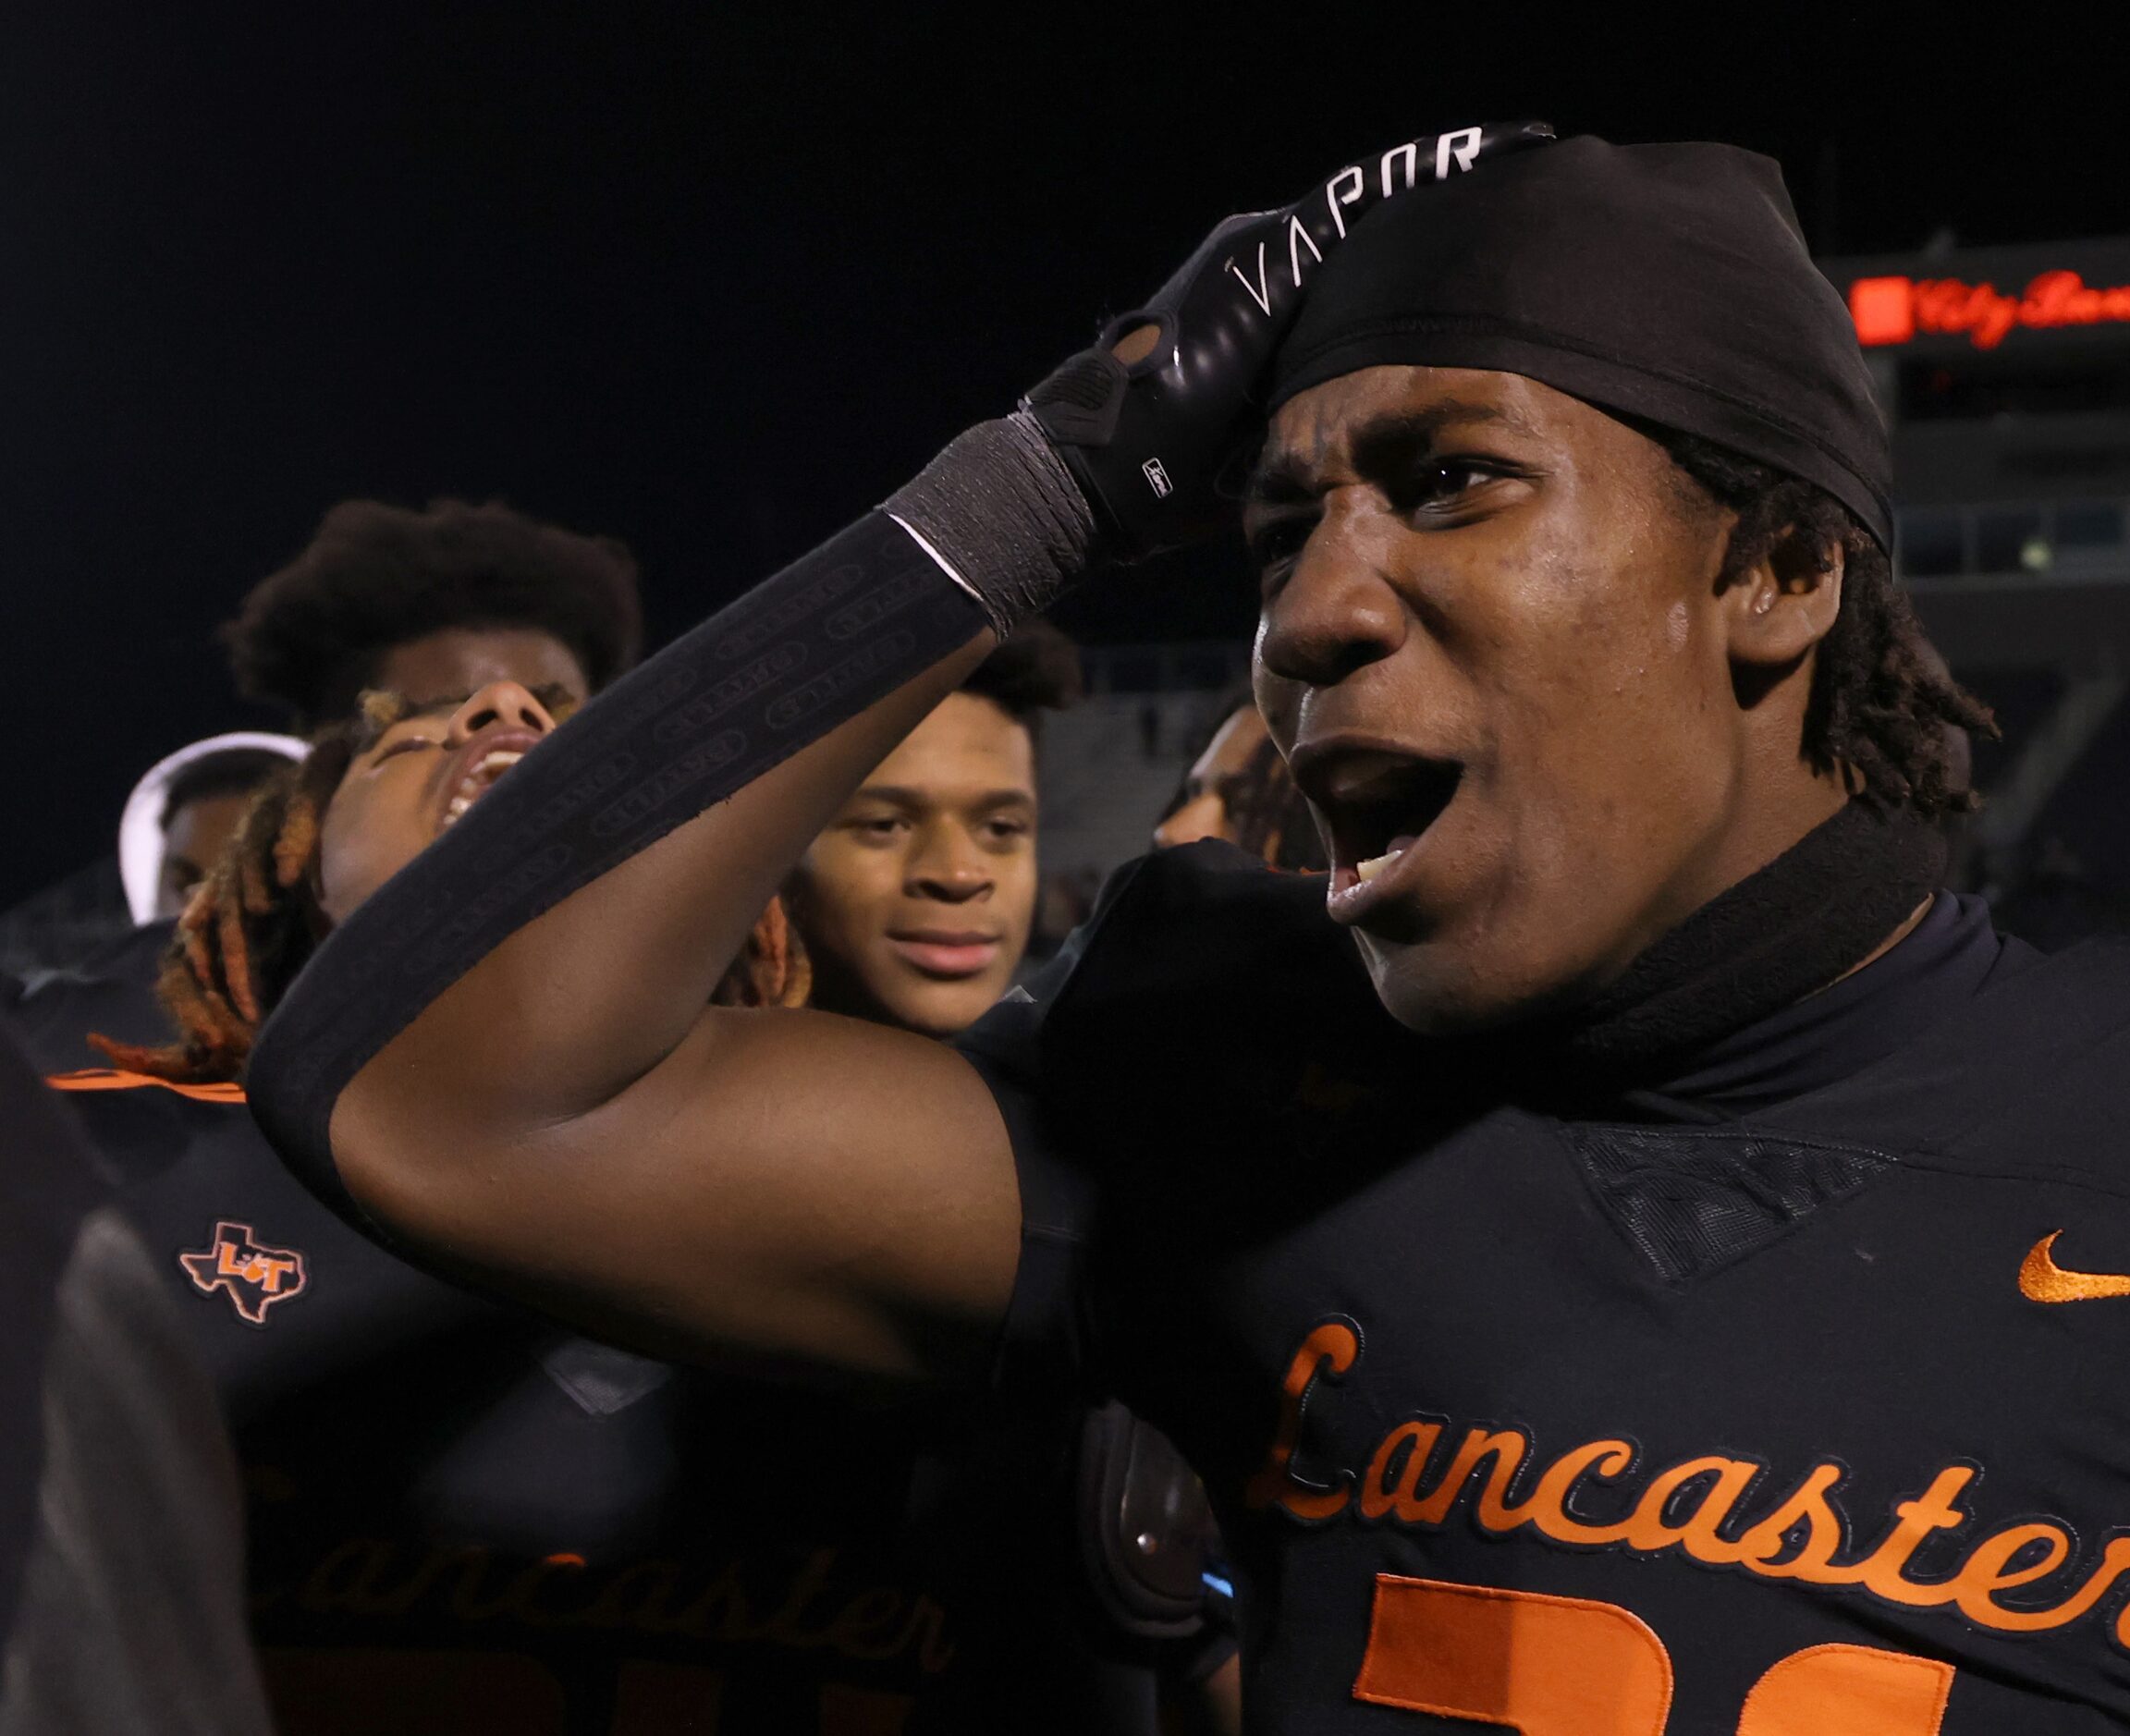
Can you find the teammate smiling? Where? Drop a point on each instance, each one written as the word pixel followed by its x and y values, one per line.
pixel 915 901
pixel 1642 1169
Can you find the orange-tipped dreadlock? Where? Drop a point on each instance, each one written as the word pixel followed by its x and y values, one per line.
pixel 254 920
pixel 772 969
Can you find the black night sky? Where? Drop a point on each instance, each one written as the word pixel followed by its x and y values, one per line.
pixel 714 279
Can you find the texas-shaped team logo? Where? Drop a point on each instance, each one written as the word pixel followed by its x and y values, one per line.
pixel 252 1275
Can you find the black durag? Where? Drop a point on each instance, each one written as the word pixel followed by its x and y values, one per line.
pixel 1667 282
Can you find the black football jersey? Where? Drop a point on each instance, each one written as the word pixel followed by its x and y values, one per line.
pixel 464 1519
pixel 1781 1398
pixel 121 1581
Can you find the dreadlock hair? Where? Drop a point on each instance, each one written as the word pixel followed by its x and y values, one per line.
pixel 772 969
pixel 254 921
pixel 313 636
pixel 1883 714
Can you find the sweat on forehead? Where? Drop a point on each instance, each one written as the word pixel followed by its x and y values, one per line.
pixel 1664 282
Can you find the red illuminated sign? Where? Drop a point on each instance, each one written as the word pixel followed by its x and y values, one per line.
pixel 1894 309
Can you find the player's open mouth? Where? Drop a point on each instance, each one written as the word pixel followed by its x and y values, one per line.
pixel 1377 803
pixel 479 763
pixel 474 785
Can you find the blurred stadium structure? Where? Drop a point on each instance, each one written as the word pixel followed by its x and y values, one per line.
pixel 2005 374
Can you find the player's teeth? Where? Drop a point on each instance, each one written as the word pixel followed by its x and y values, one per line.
pixel 476 782
pixel 1376 864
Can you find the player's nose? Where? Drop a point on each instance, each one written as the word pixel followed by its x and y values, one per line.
pixel 1338 610
pixel 951 867
pixel 509 704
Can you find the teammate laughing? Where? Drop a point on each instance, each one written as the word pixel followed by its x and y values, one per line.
pixel 1637 1260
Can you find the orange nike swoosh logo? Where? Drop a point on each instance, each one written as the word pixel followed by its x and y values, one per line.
pixel 2042 1280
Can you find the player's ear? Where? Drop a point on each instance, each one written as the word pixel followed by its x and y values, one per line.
pixel 1785 602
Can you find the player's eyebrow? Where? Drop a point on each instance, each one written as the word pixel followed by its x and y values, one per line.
pixel 1279 480
pixel 375 735
pixel 1380 443
pixel 436 707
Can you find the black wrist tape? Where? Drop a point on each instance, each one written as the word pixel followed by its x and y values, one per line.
pixel 1000 511
pixel 838 630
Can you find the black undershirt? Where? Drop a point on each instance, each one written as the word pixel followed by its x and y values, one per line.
pixel 1942 963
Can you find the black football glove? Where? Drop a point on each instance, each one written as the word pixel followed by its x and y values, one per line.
pixel 1149 418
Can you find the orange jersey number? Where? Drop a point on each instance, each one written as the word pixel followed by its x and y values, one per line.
pixel 1569 1667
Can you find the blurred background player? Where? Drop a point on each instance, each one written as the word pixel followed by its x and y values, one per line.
pixel 184 813
pixel 462 1515
pixel 430 604
pixel 177 820
pixel 1238 790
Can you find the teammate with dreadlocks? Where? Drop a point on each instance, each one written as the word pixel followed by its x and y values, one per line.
pixel 1627 1252
pixel 260 911
pixel 621 1468
pixel 429 604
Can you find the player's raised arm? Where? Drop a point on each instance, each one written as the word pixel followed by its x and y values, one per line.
pixel 504 1056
